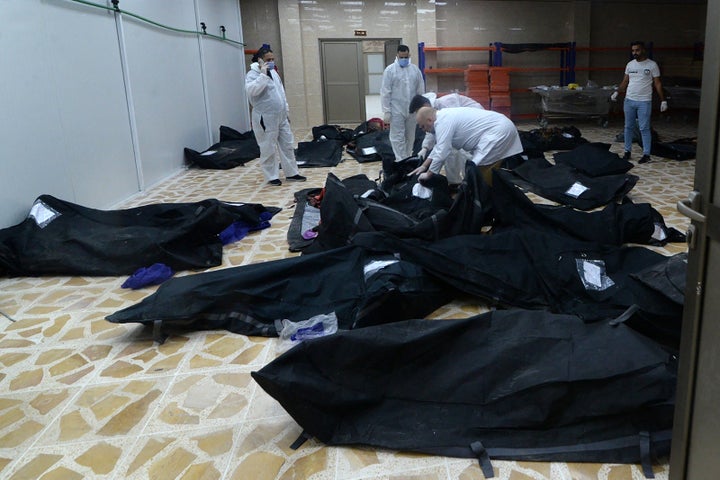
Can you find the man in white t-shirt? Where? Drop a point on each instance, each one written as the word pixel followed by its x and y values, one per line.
pixel 641 75
pixel 490 137
pixel 455 163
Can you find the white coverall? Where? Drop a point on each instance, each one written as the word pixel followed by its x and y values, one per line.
pixel 270 122
pixel 399 86
pixel 488 136
pixel 455 162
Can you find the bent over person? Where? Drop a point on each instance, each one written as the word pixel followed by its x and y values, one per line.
pixel 270 121
pixel 455 163
pixel 488 136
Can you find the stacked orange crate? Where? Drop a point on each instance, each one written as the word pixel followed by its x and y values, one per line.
pixel 477 85
pixel 500 90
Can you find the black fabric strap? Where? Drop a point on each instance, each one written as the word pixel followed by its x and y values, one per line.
pixel 158 334
pixel 304 436
pixel 357 217
pixel 645 459
pixel 604 445
pixel 483 458
pixel 625 315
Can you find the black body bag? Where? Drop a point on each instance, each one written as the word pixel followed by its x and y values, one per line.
pixel 516 385
pixel 305 217
pixel 319 153
pixel 532 269
pixel 362 289
pixel 615 224
pixel 372 146
pixel 233 149
pixel 357 204
pixel 594 159
pixel 63 238
pixel 566 185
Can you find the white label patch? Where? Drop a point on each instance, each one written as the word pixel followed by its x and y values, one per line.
pixel 593 274
pixel 659 233
pixel 420 191
pixel 42 214
pixel 374 266
pixel 576 190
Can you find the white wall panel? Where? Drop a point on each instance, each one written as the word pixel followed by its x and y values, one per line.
pixel 167 90
pixel 88 84
pixel 225 68
pixel 63 125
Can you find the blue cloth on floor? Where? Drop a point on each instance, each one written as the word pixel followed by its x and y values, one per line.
pixel 239 230
pixel 152 275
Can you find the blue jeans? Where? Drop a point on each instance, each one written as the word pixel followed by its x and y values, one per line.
pixel 641 110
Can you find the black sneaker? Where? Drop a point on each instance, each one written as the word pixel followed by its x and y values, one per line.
pixel 644 159
pixel 626 156
pixel 296 178
pixel 276 182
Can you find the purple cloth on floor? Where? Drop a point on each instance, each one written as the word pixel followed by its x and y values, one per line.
pixel 152 275
pixel 309 234
pixel 235 232
pixel 239 230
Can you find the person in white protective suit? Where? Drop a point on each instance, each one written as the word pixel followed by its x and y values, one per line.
pixel 455 163
pixel 490 137
pixel 270 119
pixel 401 81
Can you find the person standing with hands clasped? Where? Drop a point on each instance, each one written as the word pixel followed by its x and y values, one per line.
pixel 641 75
pixel 270 121
pixel 401 81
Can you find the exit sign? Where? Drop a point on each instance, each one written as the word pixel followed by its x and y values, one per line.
pixel 361 33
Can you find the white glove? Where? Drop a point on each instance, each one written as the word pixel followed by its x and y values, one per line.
pixel 614 96
pixel 663 105
pixel 422 154
pixel 386 118
pixel 263 66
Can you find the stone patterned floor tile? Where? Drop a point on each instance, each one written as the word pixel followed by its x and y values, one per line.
pixel 24 416
pixel 264 407
pixel 30 367
pixel 189 454
pixel 84 460
pixel 145 357
pixel 215 350
pixel 367 463
pixel 263 452
pixel 209 399
pixel 108 410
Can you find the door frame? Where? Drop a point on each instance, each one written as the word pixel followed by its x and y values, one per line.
pixel 361 68
pixel 323 69
pixel 695 451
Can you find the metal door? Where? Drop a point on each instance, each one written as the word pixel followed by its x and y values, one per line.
pixel 342 79
pixel 696 430
pixel 391 47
